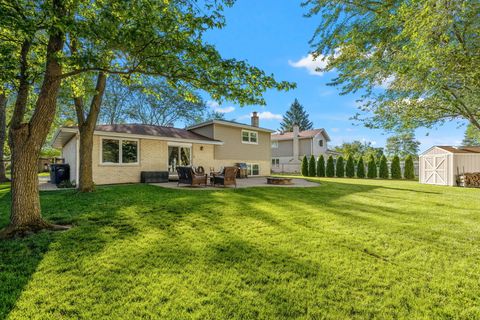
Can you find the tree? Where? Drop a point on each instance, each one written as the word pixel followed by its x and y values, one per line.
pixel 409 171
pixel 395 169
pixel 305 166
pixel 360 168
pixel 321 166
pixel 472 136
pixel 383 171
pixel 207 116
pixel 117 98
pixel 424 53
pixel 311 167
pixel 371 168
pixel 3 133
pixel 350 167
pixel 296 115
pixel 340 168
pixel 402 144
pixel 330 171
pixel 358 149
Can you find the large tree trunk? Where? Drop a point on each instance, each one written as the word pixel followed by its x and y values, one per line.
pixel 3 134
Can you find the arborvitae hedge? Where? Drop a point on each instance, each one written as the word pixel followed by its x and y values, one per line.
pixel 340 168
pixel 360 168
pixel 305 166
pixel 330 167
pixel 383 168
pixel 321 166
pixel 350 167
pixel 409 169
pixel 311 166
pixel 395 168
pixel 372 168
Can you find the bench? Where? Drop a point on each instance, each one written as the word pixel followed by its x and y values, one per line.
pixel 153 176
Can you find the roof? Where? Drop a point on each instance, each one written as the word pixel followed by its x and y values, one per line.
pixel 306 134
pixel 457 150
pixel 229 123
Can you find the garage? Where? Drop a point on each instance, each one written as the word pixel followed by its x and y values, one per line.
pixel 440 165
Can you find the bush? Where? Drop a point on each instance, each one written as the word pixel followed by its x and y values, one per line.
pixel 372 168
pixel 304 166
pixel 360 168
pixel 311 166
pixel 383 168
pixel 409 169
pixel 340 168
pixel 350 167
pixel 321 166
pixel 395 168
pixel 330 167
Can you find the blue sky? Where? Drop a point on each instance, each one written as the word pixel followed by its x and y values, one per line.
pixel 273 35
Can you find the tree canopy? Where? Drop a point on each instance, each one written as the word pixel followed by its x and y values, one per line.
pixel 358 149
pixel 472 136
pixel 402 144
pixel 296 115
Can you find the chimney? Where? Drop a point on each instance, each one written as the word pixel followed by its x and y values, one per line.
pixel 296 131
pixel 255 119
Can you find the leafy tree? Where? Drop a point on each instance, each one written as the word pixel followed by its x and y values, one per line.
pixel 383 171
pixel 296 115
pixel 3 133
pixel 330 172
pixel 395 169
pixel 472 136
pixel 360 168
pixel 118 96
pixel 402 144
pixel 311 167
pixel 359 149
pixel 424 53
pixel 350 167
pixel 305 166
pixel 409 168
pixel 321 166
pixel 340 167
pixel 372 168
pixel 207 116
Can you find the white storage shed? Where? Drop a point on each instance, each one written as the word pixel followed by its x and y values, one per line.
pixel 441 165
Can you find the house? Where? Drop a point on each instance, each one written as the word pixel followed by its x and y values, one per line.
pixel 441 165
pixel 122 151
pixel 288 148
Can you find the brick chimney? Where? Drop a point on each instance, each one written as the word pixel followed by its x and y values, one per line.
pixel 255 119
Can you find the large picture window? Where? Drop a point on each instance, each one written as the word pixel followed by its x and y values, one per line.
pixel 119 151
pixel 249 136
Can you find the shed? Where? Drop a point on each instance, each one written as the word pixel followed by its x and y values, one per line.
pixel 441 165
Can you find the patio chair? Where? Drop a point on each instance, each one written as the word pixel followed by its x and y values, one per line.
pixel 228 177
pixel 186 175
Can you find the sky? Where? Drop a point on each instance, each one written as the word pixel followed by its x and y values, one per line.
pixel 273 35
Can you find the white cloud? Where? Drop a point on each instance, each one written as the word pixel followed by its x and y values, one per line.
pixel 216 107
pixel 265 115
pixel 335 129
pixel 310 63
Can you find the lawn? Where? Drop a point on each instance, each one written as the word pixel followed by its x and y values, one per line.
pixel 346 249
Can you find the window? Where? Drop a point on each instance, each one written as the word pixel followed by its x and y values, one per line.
pixel 320 143
pixel 253 169
pixel 179 156
pixel 249 137
pixel 119 151
pixel 275 162
pixel 274 144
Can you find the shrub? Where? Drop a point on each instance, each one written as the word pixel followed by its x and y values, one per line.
pixel 330 167
pixel 311 166
pixel 395 168
pixel 383 168
pixel 340 168
pixel 321 166
pixel 360 168
pixel 409 169
pixel 372 168
pixel 350 167
pixel 304 166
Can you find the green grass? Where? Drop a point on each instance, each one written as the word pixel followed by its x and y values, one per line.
pixel 347 249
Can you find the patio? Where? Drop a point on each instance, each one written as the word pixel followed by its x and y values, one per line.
pixel 241 183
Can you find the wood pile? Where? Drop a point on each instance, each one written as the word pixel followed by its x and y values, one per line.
pixel 469 180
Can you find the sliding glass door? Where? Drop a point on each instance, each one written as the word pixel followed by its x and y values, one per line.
pixel 179 156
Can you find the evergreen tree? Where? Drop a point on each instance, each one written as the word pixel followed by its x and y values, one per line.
pixel 360 168
pixel 409 168
pixel 304 166
pixel 340 168
pixel 321 166
pixel 296 115
pixel 311 166
pixel 395 168
pixel 350 167
pixel 330 167
pixel 372 168
pixel 383 168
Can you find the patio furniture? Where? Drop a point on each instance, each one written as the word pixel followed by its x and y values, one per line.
pixel 186 175
pixel 200 170
pixel 228 177
pixel 242 170
pixel 153 176
pixel 279 181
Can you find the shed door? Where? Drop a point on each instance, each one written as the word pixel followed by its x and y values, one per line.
pixel 435 169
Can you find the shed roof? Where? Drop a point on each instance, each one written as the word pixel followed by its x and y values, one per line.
pixel 457 150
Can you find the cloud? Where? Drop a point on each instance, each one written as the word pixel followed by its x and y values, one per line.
pixel 310 63
pixel 335 129
pixel 265 115
pixel 216 107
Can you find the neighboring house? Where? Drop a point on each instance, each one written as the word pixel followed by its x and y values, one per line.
pixel 288 148
pixel 121 152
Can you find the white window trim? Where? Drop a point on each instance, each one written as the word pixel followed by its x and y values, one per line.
pixel 276 162
pixel 250 173
pixel 274 144
pixel 120 156
pixel 249 137
pixel 180 145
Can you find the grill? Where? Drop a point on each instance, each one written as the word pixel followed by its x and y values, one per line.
pixel 242 170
